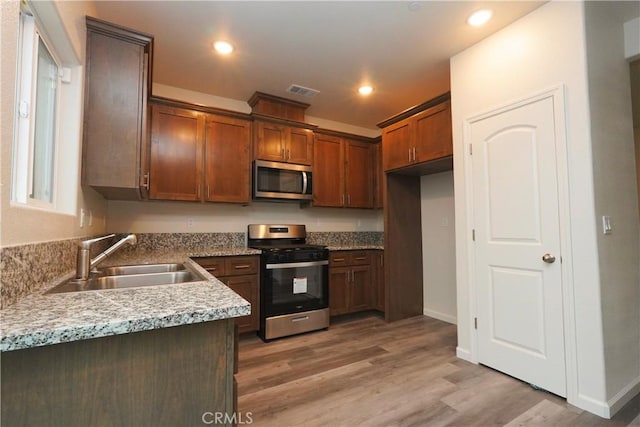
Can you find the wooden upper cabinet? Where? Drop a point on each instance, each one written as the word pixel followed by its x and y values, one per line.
pixel 270 141
pixel 433 138
pixel 342 172
pixel 117 84
pixel 300 146
pixel 396 145
pixel 281 143
pixel 378 175
pixel 197 156
pixel 419 138
pixel 359 183
pixel 227 160
pixel 175 156
pixel 328 171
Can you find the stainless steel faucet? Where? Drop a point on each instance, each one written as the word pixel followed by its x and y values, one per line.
pixel 84 263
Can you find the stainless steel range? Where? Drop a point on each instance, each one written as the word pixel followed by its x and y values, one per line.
pixel 294 280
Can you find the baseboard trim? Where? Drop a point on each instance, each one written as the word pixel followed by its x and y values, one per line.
pixel 464 354
pixel 440 316
pixel 623 396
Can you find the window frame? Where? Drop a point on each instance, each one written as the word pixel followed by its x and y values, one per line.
pixel 31 33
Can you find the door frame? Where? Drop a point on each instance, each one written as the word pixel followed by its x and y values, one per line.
pixel 557 95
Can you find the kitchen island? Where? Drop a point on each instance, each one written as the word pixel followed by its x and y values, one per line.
pixel 157 355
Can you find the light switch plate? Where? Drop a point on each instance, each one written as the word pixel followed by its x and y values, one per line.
pixel 606 224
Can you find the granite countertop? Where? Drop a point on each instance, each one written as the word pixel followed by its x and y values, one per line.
pixel 352 247
pixel 39 319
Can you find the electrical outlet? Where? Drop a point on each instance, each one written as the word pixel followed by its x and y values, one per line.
pixel 189 222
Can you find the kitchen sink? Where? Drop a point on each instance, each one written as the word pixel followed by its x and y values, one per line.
pixel 140 269
pixel 130 276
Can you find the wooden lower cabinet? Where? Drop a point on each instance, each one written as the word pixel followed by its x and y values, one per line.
pixel 241 274
pixel 353 281
pixel 377 268
pixel 169 377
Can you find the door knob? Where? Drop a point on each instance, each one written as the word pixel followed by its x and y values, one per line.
pixel 548 258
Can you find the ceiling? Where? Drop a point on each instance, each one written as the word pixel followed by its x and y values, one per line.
pixel 401 48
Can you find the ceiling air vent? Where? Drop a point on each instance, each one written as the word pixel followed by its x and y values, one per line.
pixel 302 91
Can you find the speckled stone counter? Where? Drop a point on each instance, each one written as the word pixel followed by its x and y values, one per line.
pixel 41 319
pixel 354 247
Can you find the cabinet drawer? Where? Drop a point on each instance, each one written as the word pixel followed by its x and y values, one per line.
pixel 339 258
pixel 213 264
pixel 241 265
pixel 360 258
pixel 342 258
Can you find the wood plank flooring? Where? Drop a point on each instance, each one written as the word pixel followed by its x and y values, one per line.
pixel 366 372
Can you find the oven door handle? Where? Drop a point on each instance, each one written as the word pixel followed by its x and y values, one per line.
pixel 296 264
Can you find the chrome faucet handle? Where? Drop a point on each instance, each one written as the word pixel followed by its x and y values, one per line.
pixel 86 244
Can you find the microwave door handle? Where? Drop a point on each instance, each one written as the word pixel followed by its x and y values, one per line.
pixel 305 182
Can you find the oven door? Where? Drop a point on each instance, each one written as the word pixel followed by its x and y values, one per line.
pixel 294 287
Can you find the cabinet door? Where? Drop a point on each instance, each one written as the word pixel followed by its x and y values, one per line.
pixel 396 145
pixel 339 290
pixel 299 147
pixel 248 288
pixel 361 288
pixel 358 174
pixel 270 141
pixel 175 158
pixel 114 131
pixel 328 171
pixel 227 160
pixel 377 267
pixel 433 133
pixel 378 187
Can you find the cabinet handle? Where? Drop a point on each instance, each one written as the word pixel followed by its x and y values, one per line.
pixel 338 260
pixel 241 267
pixel 361 258
pixel 414 154
pixel 289 154
pixel 284 154
pixel 208 190
pixel 409 154
pixel 348 199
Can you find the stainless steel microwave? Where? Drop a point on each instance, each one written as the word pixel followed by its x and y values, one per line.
pixel 281 181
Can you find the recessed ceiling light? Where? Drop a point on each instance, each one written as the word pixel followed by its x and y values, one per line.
pixel 223 47
pixel 479 17
pixel 365 90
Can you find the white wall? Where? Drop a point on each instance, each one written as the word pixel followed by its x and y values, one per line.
pixel 438 246
pixel 539 51
pixel 243 107
pixel 614 172
pixel 165 217
pixel 22 225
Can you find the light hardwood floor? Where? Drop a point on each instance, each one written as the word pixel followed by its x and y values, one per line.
pixel 365 372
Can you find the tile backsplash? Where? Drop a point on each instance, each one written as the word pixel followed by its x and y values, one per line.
pixel 27 268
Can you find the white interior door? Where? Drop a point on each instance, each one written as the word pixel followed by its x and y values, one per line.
pixel 517 236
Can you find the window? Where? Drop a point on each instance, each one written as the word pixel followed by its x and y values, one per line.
pixel 39 77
